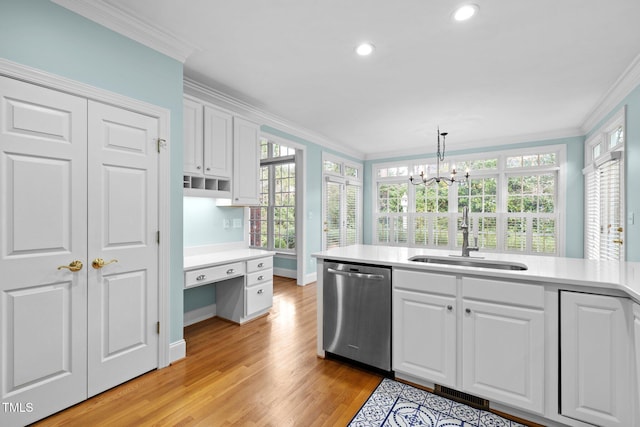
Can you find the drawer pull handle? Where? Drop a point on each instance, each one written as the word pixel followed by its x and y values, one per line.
pixel 467 310
pixel 260 278
pixel 261 265
pixel 449 307
pixel 201 277
pixel 230 271
pixel 260 291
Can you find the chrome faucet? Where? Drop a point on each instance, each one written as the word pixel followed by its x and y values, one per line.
pixel 465 234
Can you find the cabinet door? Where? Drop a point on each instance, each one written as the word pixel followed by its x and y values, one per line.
pixel 218 143
pixel 424 336
pixel 503 353
pixel 595 359
pixel 246 162
pixel 192 137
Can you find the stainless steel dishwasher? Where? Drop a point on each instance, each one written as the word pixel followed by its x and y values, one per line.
pixel 357 313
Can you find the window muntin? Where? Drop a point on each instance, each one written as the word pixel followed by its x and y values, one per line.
pixel 342 202
pixel 431 212
pixel 604 190
pixel 273 223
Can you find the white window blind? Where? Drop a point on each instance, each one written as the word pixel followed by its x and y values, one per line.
pixel 604 191
pixel 332 214
pixel 603 202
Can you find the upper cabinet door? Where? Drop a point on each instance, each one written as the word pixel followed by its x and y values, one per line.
pixel 246 162
pixel 192 137
pixel 218 143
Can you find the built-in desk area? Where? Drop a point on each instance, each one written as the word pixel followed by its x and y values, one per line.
pixel 243 278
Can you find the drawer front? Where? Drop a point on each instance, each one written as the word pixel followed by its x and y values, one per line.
pixel 213 274
pixel 258 298
pixel 259 277
pixel 259 264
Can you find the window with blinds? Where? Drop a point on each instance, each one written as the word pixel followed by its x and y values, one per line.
pixel 342 203
pixel 512 199
pixel 604 227
pixel 604 191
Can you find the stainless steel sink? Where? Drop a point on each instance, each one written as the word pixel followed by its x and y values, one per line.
pixel 470 262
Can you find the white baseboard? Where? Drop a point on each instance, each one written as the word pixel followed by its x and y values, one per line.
pixel 199 314
pixel 284 272
pixel 310 278
pixel 177 350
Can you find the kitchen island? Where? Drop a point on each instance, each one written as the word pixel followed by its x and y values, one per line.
pixel 557 343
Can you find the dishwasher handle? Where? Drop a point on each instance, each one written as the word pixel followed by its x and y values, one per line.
pixel 358 275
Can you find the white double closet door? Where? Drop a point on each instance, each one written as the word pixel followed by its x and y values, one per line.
pixel 78 183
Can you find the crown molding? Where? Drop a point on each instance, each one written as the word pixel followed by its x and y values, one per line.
pixel 477 145
pixel 124 22
pixel 628 81
pixel 221 99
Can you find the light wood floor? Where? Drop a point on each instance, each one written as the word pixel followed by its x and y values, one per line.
pixel 263 373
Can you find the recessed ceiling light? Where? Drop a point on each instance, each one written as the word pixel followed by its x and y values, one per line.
pixel 465 12
pixel 365 49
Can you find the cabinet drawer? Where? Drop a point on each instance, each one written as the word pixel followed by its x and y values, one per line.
pixel 259 264
pixel 421 281
pixel 258 298
pixel 496 291
pixel 213 274
pixel 259 277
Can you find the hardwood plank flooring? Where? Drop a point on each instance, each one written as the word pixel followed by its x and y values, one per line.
pixel 263 373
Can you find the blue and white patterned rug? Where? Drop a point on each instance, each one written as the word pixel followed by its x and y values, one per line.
pixel 397 404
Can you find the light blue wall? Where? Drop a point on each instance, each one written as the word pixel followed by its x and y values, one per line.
pixel 42 35
pixel 204 222
pixel 574 212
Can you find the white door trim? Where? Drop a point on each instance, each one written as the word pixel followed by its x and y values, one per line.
pixel 52 81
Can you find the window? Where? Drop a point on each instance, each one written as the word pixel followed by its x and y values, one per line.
pixel 604 190
pixel 512 199
pixel 342 201
pixel 273 223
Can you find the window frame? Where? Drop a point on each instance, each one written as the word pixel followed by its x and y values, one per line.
pixel 342 178
pixel 500 172
pixel 271 163
pixel 600 138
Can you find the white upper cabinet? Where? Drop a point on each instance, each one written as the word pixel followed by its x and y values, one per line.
pixel 218 143
pixel 221 155
pixel 246 162
pixel 193 156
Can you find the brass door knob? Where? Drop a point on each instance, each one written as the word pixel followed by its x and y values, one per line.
pixel 73 266
pixel 98 263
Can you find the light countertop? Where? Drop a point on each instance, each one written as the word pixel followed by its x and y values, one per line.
pixel 193 261
pixel 614 275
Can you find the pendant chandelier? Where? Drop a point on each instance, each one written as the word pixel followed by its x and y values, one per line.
pixel 439 158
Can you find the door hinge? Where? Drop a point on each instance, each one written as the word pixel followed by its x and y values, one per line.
pixel 162 143
pixel 158 327
pixel 158 236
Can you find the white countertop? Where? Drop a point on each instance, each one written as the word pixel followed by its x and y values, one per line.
pixel 209 259
pixel 614 275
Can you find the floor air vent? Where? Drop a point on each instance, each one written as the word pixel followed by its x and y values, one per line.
pixel 458 396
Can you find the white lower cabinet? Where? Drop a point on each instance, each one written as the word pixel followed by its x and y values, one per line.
pixel 244 289
pixel 493 330
pixel 595 359
pixel 503 342
pixel 424 326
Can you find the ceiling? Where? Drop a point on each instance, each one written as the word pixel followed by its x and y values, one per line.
pixel 518 71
